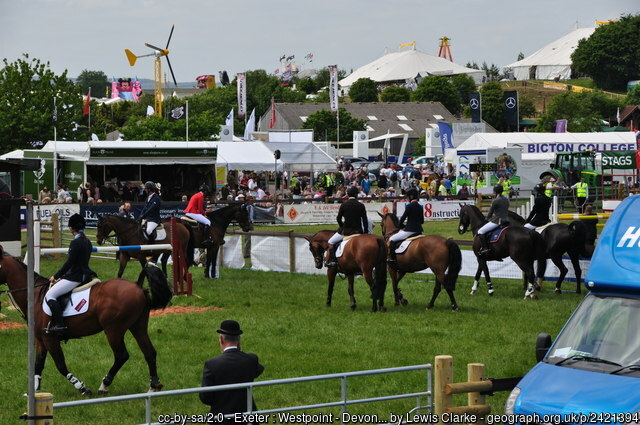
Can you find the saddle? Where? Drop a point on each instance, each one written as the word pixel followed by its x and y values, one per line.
pixel 196 227
pixel 159 233
pixel 495 234
pixel 75 302
pixel 405 243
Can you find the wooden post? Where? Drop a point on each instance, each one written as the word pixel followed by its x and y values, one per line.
pixel 475 372
pixel 443 375
pixel 56 238
pixel 292 252
pixel 43 407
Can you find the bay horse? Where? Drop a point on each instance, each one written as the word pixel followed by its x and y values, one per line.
pixel 441 255
pixel 560 238
pixel 524 246
pixel 128 232
pixel 366 254
pixel 220 220
pixel 116 305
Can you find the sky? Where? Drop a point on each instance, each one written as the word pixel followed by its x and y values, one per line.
pixel 236 36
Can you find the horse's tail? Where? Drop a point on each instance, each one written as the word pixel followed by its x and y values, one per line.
pixel 381 270
pixel 455 265
pixel 579 233
pixel 190 246
pixel 160 291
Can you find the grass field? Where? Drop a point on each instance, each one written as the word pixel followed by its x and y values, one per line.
pixel 288 326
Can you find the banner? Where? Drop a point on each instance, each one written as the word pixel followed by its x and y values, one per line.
pixel 446 136
pixel 437 210
pixel 221 177
pixel 64 211
pixel 619 160
pixel 327 213
pixel 561 126
pixel 511 108
pixel 177 113
pixel 476 107
pixel 241 79
pixel 333 88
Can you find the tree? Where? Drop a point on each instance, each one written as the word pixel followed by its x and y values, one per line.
pixel 395 94
pixel 492 104
pixel 526 107
pixel 584 111
pixel 324 123
pixel 364 90
pixel 610 56
pixel 436 88
pixel 520 56
pixel 27 91
pixel 492 73
pixel 465 85
pixel 97 80
pixel 307 85
pixel 633 96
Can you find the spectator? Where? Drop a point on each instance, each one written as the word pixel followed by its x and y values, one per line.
pixel 45 193
pixel 60 193
pixel 125 210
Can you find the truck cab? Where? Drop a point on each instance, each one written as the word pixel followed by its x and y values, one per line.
pixel 571 166
pixel 591 372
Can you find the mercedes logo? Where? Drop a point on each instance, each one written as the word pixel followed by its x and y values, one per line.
pixel 226 131
pixel 474 104
pixel 510 102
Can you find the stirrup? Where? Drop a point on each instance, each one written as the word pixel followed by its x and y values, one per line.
pixel 55 329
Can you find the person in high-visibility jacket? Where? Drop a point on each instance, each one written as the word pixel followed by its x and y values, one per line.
pixel 582 194
pixel 550 187
pixel 506 187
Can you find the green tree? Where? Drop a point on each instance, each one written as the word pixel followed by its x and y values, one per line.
pixel 308 85
pixel 526 107
pixel 27 91
pixel 324 123
pixel 323 77
pixel 633 96
pixel 395 94
pixel 436 88
pixel 610 56
pixel 418 145
pixel 97 80
pixel 520 56
pixel 584 111
pixel 465 85
pixel 492 104
pixel 492 73
pixel 364 90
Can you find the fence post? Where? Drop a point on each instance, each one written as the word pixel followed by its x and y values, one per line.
pixel 292 252
pixel 443 375
pixel 475 372
pixel 43 408
pixel 56 238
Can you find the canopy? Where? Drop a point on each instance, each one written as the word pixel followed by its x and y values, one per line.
pixel 301 156
pixel 552 61
pixel 408 64
pixel 254 156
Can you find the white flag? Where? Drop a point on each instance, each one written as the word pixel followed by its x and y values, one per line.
pixel 241 80
pixel 618 116
pixel 251 125
pixel 150 110
pixel 333 88
pixel 229 120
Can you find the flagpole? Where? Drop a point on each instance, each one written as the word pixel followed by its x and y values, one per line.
pixel 187 120
pixel 55 142
pixel 518 110
pixel 338 130
pixel 480 106
pixel 89 103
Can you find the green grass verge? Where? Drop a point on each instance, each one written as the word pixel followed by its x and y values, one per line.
pixel 287 324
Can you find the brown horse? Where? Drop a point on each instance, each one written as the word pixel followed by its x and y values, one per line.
pixel 128 232
pixel 116 305
pixel 366 254
pixel 441 255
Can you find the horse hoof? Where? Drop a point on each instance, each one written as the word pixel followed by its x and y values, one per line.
pixel 353 308
pixel 533 296
pixel 490 292
pixel 538 287
pixel 87 392
pixel 429 306
pixel 382 309
pixel 404 302
pixel 328 304
pixel 558 291
pixel 103 390
pixel 473 292
pixel 454 308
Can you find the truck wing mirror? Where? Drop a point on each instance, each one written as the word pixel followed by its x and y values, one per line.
pixel 552 166
pixel 543 343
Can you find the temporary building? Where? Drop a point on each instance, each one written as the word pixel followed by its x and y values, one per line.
pixel 553 61
pixel 407 65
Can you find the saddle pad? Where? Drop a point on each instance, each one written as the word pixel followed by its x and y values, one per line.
pixel 405 244
pixel 344 243
pixel 541 228
pixel 160 234
pixel 78 304
pixel 495 234
pixel 188 219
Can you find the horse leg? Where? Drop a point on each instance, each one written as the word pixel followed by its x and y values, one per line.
pixel 331 277
pixel 53 346
pixel 41 356
pixel 575 260
pixel 529 276
pixel 436 291
pixel 476 279
pixel 120 357
pixel 352 298
pixel 485 268
pixel 378 304
pixel 452 298
pixel 124 258
pixel 164 257
pixel 557 260
pixel 141 334
pixel 395 280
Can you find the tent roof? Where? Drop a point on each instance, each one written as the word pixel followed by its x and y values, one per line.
pixel 407 64
pixel 301 156
pixel 558 52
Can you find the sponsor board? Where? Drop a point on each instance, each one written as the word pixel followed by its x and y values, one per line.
pixel 438 210
pixel 327 213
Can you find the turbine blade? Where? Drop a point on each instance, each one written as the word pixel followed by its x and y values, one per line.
pixel 170 34
pixel 154 47
pixel 171 69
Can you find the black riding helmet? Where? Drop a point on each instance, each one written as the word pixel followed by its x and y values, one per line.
pixel 538 189
pixel 498 189
pixel 412 193
pixel 353 192
pixel 150 186
pixel 77 222
pixel 204 188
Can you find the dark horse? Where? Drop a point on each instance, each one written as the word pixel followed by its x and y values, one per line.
pixel 116 305
pixel 366 254
pixel 441 255
pixel 524 246
pixel 128 232
pixel 220 220
pixel 560 238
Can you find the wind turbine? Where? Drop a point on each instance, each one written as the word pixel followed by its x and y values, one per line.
pixel 157 69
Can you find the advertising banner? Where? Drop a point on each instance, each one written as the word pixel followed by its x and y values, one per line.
pixel 437 210
pixel 64 211
pixel 619 160
pixel 327 213
pixel 35 181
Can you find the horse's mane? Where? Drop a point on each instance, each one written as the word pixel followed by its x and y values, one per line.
pixel 393 218
pixel 476 211
pixel 124 220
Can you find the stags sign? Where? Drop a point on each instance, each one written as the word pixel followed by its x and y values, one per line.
pixel 625 160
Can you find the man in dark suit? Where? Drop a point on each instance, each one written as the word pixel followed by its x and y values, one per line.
pixel 355 222
pixel 231 367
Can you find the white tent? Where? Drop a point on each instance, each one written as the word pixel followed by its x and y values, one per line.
pixel 408 64
pixel 552 61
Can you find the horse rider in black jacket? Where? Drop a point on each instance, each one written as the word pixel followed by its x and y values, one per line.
pixel 539 215
pixel 151 211
pixel 74 272
pixel 414 214
pixel 498 215
pixel 355 222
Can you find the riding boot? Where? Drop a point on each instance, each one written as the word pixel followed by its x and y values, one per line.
pixel 332 262
pixel 206 237
pixel 56 325
pixel 484 241
pixel 393 245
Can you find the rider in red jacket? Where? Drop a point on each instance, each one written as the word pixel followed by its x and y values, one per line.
pixel 195 210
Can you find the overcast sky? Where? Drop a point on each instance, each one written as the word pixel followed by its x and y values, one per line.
pixel 213 35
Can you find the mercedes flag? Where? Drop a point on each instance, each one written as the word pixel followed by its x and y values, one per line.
pixel 511 108
pixel 241 80
pixel 177 113
pixel 333 88
pixel 475 105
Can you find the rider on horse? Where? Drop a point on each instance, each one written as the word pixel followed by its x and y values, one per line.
pixel 539 215
pixel 498 215
pixel 151 211
pixel 355 222
pixel 414 215
pixel 74 272
pixel 195 210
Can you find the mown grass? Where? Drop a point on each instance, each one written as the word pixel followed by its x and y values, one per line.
pixel 287 324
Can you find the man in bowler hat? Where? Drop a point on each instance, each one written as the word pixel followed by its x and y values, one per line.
pixel 231 367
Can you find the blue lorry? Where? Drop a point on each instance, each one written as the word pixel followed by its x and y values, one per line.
pixel 591 372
